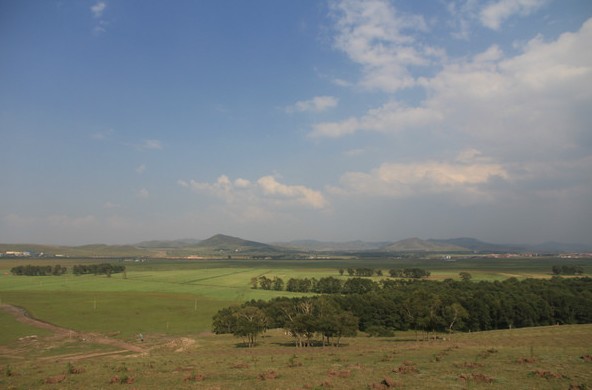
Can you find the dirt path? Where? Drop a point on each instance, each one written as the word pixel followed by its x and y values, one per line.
pixel 24 317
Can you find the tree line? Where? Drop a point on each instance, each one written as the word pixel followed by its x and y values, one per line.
pixel 98 269
pixel 424 306
pixel 57 270
pixel 413 273
pixel 38 270
pixel 332 285
pixel 567 270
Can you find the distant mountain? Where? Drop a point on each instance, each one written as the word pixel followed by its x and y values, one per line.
pixel 331 246
pixel 226 245
pixel 221 242
pixel 418 245
pixel 157 244
pixel 479 246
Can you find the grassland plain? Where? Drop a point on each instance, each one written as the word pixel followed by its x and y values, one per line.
pixel 174 296
pixel 172 303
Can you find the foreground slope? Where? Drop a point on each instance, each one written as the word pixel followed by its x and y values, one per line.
pixel 554 357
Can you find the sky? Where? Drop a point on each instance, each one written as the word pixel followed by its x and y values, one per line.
pixel 278 120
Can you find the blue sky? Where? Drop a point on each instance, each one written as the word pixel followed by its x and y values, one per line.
pixel 123 121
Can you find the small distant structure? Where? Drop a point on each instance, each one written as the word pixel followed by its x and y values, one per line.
pixel 17 254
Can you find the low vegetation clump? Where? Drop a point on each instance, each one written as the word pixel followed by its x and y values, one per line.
pixel 475 377
pixel 407 367
pixel 55 379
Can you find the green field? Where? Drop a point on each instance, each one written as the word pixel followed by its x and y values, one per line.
pixel 168 300
pixel 176 297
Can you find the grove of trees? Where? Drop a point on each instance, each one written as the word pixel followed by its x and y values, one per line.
pixel 57 270
pixel 332 285
pixel 302 318
pixel 567 270
pixel 420 305
pixel 38 270
pixel 98 269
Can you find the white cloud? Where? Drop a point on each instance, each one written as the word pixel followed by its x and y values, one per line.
pixel 150 144
pixel 462 13
pixel 267 191
pixel 465 175
pixel 100 27
pixel 465 14
pixel 301 194
pixel 98 8
pixel 143 193
pixel 316 104
pixel 534 103
pixel 382 40
pixel 141 169
pixel 495 13
pixel 391 117
pixel 102 135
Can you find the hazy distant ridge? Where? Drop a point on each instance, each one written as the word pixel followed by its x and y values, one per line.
pixel 221 243
pixel 418 245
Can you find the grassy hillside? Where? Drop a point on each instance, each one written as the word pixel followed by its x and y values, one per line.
pixel 535 358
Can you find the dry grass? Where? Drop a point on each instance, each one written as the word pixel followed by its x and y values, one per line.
pixel 557 357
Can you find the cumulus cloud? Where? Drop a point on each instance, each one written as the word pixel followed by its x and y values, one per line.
pixel 466 14
pixel 301 194
pixel 383 41
pixel 495 13
pixel 265 191
pixel 466 174
pixel 316 104
pixel 98 8
pixel 391 117
pixel 534 102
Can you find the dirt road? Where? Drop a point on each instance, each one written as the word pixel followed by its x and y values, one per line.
pixel 24 317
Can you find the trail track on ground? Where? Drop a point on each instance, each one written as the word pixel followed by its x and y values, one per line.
pixel 24 317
